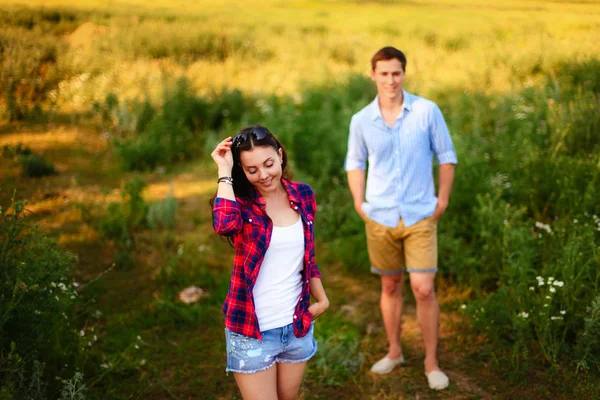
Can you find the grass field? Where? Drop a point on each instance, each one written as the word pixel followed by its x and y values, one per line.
pixel 120 102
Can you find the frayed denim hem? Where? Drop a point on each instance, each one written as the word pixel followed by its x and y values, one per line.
pixel 300 361
pixel 228 370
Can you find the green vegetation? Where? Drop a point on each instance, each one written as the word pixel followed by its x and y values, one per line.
pixel 37 319
pixel 132 98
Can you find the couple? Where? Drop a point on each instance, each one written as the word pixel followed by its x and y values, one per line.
pixel 269 317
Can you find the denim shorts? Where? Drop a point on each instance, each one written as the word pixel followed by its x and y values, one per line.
pixel 248 355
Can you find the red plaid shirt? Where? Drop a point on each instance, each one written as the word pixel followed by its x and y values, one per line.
pixel 247 221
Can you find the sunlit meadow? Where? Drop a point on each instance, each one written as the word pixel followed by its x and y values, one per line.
pixel 108 113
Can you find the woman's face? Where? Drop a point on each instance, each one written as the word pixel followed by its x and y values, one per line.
pixel 262 166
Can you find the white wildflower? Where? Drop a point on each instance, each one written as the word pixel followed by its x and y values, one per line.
pixel 463 306
pixel 556 318
pixel 563 312
pixel 559 283
pixel 524 315
pixel 82 333
pixel 543 226
pixel 552 290
pixel 531 288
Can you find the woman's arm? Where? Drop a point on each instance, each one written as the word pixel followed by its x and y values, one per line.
pixel 226 210
pixel 318 293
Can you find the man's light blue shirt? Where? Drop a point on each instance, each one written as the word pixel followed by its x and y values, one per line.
pixel 400 158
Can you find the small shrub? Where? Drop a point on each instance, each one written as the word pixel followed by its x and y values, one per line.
pixel 14 151
pixel 161 214
pixel 124 218
pixel 34 166
pixel 74 388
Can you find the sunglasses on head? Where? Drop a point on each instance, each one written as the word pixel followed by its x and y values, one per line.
pixel 258 134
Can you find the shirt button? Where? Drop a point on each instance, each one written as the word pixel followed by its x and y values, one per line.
pixel 295 317
pixel 249 219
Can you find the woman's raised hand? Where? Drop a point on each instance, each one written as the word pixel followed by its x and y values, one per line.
pixel 223 157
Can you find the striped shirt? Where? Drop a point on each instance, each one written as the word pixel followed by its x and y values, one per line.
pixel 400 175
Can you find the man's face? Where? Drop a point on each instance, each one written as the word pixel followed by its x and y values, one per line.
pixel 389 78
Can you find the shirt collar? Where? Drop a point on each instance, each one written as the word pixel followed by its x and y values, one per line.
pixel 293 194
pixel 376 111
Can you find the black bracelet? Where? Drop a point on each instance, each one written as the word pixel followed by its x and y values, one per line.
pixel 226 179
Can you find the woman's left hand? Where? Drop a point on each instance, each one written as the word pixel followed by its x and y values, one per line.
pixel 318 308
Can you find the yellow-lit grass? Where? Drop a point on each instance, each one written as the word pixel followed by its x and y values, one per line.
pixel 460 44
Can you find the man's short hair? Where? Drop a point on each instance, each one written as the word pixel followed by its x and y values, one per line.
pixel 389 53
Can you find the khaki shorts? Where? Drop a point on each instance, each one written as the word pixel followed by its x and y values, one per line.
pixel 393 250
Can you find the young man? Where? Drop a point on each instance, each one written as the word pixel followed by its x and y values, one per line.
pixel 398 133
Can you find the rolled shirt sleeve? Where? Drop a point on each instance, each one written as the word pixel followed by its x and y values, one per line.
pixel 441 142
pixel 227 217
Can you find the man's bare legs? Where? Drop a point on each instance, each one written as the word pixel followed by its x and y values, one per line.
pixel 391 309
pixel 428 315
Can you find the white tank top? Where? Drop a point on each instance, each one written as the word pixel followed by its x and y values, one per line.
pixel 279 283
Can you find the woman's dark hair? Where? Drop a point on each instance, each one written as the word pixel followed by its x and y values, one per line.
pixel 246 140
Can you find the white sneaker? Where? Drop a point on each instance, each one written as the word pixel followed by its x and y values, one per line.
pixel 386 365
pixel 437 380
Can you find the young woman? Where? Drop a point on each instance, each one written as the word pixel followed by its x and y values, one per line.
pixel 269 220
